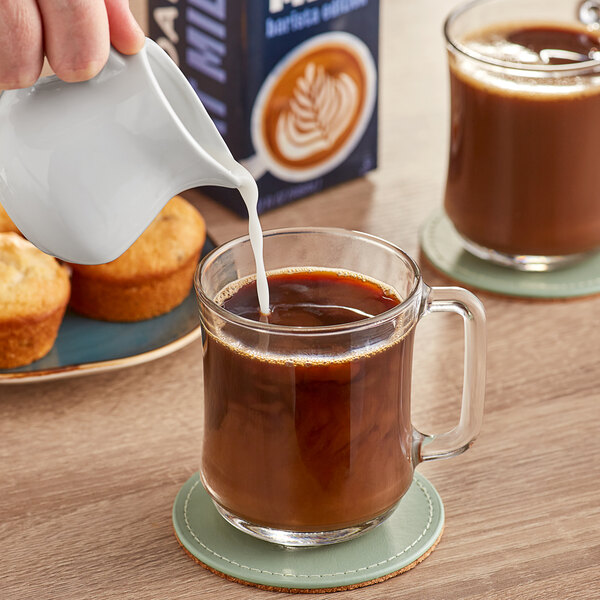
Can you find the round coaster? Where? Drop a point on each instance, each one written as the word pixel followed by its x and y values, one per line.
pixel 395 546
pixel 442 246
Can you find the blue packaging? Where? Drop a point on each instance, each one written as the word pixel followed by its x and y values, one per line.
pixel 290 84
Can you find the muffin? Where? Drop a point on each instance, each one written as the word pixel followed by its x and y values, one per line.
pixel 5 222
pixel 34 291
pixel 152 277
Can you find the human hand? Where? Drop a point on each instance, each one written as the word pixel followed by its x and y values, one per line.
pixel 75 35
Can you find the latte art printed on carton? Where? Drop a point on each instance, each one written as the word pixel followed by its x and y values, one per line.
pixel 316 106
pixel 319 112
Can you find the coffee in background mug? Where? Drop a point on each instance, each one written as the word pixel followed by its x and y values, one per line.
pixel 522 187
pixel 307 434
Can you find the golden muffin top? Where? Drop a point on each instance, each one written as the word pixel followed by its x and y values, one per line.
pixel 5 222
pixel 31 282
pixel 175 236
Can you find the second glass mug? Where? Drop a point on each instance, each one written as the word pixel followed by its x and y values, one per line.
pixel 307 434
pixel 522 186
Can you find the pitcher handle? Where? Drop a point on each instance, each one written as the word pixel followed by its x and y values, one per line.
pixel 461 437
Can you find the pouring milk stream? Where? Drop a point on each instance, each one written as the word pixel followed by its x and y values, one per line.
pixel 85 167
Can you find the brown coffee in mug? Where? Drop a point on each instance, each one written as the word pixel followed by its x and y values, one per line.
pixel 522 185
pixel 307 436
pixel 334 434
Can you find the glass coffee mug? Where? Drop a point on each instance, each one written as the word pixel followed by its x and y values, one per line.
pixel 307 429
pixel 522 186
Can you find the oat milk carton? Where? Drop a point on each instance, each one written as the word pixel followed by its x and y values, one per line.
pixel 290 84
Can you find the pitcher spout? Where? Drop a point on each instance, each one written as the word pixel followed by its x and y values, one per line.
pixel 210 161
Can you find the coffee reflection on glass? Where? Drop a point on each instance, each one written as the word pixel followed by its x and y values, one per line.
pixel 307 428
pixel 522 187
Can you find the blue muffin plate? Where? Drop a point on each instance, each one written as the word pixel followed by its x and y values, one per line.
pixel 85 346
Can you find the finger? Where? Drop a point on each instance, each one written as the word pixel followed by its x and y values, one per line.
pixel 125 33
pixel 76 37
pixel 21 48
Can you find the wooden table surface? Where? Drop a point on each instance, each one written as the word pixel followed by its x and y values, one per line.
pixel 90 466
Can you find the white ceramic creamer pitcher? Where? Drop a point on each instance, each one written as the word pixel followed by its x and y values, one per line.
pixel 85 167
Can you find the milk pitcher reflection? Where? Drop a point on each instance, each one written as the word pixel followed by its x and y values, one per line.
pixel 307 430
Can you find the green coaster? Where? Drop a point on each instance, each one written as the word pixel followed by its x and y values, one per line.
pixel 442 246
pixel 398 544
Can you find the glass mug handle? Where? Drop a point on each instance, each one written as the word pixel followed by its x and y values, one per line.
pixel 457 440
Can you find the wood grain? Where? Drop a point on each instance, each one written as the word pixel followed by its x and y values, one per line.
pixel 89 467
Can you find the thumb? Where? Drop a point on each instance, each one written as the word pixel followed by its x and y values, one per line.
pixel 125 33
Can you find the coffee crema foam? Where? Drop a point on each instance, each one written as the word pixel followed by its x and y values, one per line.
pixel 401 329
pixel 491 43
